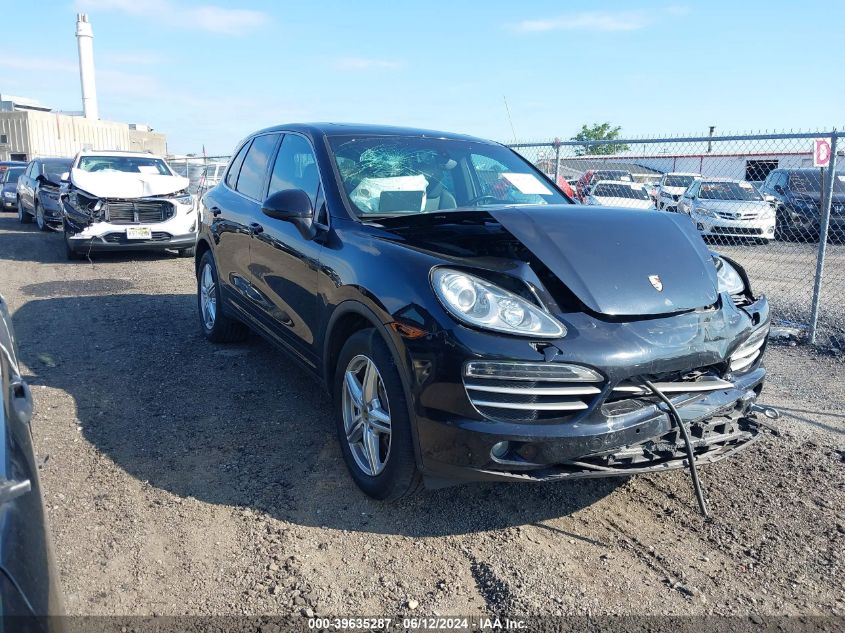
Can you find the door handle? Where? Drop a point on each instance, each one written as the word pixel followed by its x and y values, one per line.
pixel 215 211
pixel 22 400
pixel 255 228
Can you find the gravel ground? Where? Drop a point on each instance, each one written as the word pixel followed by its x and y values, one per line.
pixel 186 478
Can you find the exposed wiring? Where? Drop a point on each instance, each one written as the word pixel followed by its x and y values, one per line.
pixel 678 421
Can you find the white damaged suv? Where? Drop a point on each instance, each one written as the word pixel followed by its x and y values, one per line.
pixel 115 201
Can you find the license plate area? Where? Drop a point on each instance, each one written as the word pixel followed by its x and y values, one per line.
pixel 139 233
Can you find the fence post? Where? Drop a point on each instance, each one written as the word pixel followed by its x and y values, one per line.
pixel 557 159
pixel 827 199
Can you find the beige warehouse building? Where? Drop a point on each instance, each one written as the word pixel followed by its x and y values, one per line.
pixel 28 129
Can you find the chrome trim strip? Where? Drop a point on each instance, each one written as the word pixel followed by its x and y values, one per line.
pixel 715 384
pixel 533 406
pixel 536 391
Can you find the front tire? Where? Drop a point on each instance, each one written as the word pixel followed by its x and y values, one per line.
pixel 39 217
pixel 372 419
pixel 216 326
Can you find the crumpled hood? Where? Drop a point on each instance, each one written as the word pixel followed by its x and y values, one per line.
pixel 607 257
pixel 113 184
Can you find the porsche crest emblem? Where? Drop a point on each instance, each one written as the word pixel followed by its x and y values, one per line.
pixel 656 282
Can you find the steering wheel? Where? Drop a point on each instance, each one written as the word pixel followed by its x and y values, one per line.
pixel 479 199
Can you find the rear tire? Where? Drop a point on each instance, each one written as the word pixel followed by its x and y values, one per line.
pixel 215 326
pixel 23 216
pixel 393 473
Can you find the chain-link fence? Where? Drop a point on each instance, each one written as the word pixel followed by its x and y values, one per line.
pixel 758 199
pixel 203 172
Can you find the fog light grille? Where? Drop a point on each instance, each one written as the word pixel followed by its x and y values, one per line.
pixel 529 392
pixel 749 352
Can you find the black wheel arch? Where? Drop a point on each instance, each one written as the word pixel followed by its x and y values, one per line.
pixel 352 316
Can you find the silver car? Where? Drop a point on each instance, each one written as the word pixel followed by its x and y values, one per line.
pixel 728 208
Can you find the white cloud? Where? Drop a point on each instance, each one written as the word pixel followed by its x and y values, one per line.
pixel 602 21
pixel 364 63
pixel 206 17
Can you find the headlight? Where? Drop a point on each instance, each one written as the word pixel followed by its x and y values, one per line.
pixel 9 195
pixel 730 280
pixel 704 212
pixel 187 200
pixel 478 302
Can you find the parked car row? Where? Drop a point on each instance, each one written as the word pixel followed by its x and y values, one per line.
pixel 786 206
pixel 105 201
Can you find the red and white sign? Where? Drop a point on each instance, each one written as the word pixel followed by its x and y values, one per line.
pixel 821 152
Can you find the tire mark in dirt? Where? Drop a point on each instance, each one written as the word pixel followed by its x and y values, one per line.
pixel 494 590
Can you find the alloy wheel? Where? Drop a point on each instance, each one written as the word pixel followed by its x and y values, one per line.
pixel 208 297
pixel 366 415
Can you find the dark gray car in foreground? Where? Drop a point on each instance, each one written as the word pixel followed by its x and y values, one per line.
pixel 471 322
pixel 28 578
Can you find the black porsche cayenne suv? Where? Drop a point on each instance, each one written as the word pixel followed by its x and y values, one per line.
pixel 469 321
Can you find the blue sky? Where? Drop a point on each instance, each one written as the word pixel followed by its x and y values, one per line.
pixel 208 73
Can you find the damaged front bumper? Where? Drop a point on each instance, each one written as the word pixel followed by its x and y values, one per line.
pixel 604 422
pixel 130 225
pixel 642 441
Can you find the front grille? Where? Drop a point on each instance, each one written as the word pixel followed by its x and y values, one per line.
pixel 632 395
pixel 726 215
pixel 742 230
pixel 139 211
pixel 530 392
pixel 120 238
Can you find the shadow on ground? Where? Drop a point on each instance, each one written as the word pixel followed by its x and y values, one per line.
pixel 237 425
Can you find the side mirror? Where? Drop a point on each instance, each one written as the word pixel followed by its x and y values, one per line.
pixel 294 206
pixel 41 178
pixel 65 177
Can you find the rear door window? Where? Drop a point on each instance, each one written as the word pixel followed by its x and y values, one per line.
pixel 234 170
pixel 254 169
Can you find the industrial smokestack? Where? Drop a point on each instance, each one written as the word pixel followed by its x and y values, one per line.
pixel 85 41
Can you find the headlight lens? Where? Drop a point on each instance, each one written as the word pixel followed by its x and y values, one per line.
pixel 478 302
pixel 186 199
pixel 705 212
pixel 9 194
pixel 730 280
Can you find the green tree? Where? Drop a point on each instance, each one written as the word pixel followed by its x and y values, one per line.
pixel 599 132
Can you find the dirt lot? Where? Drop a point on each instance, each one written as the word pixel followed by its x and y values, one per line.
pixel 172 486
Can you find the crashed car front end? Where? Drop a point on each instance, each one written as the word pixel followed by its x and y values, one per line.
pixel 670 319
pixel 110 219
